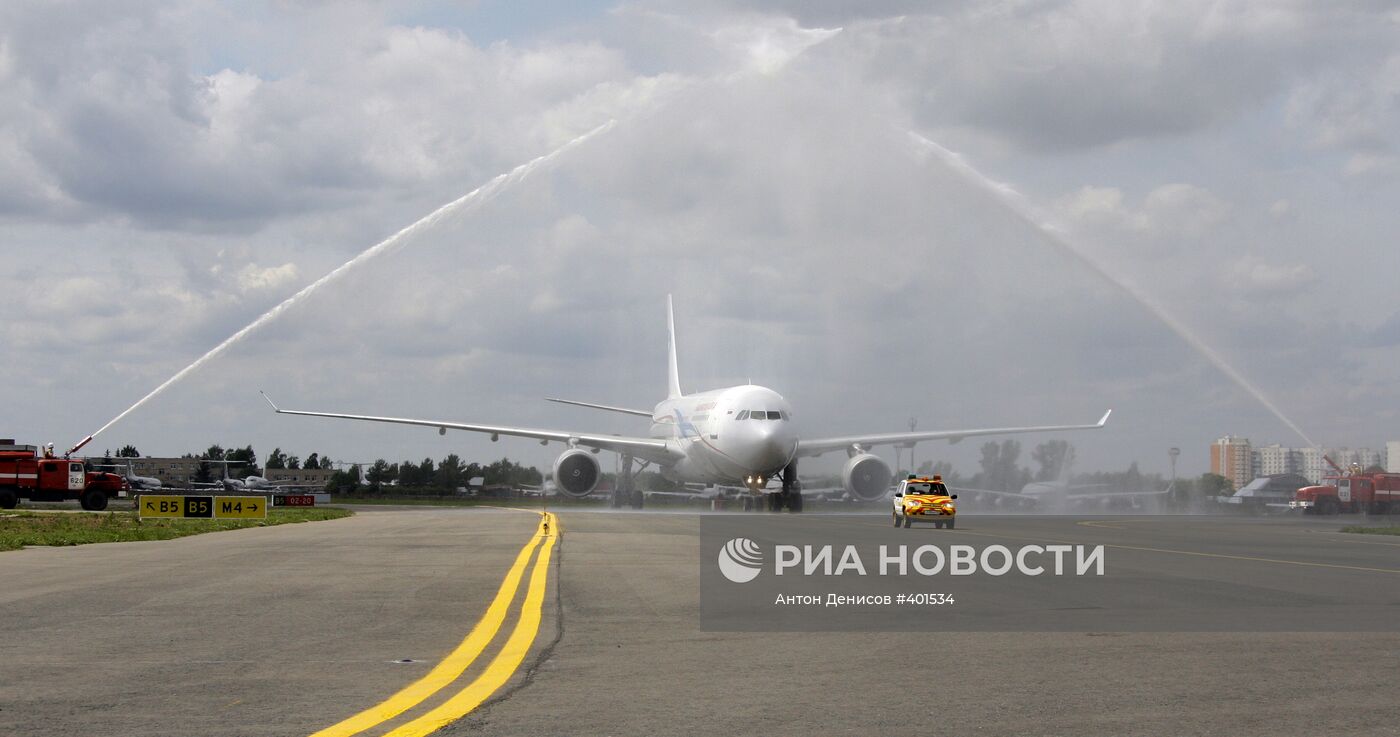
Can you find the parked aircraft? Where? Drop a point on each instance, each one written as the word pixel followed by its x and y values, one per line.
pixel 137 483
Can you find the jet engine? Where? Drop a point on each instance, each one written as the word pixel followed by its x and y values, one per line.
pixel 576 472
pixel 866 477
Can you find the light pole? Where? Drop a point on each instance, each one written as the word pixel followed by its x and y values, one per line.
pixel 913 422
pixel 1172 453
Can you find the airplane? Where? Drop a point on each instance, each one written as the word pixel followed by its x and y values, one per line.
pixel 1056 496
pixel 247 483
pixel 738 435
pixel 137 483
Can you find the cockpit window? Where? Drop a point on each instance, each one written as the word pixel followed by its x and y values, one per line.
pixel 775 415
pixel 758 414
pixel 742 415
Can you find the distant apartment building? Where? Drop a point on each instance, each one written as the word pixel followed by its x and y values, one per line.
pixel 1363 457
pixel 1231 457
pixel 1272 460
pixel 1392 456
pixel 1314 467
pixel 1311 463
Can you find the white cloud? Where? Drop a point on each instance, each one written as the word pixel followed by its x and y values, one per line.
pixel 769 44
pixel 1175 210
pixel 253 278
pixel 1261 278
pixel 759 170
pixel 1354 110
pixel 1066 75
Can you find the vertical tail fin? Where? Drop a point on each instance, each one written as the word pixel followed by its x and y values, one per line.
pixel 674 387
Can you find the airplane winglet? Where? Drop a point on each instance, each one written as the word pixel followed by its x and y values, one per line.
pixel 1102 420
pixel 269 401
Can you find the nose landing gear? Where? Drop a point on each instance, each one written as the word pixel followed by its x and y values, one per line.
pixel 790 498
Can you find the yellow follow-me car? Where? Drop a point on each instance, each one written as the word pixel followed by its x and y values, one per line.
pixel 921 499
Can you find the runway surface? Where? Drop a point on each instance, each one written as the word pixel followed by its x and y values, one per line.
pixel 291 629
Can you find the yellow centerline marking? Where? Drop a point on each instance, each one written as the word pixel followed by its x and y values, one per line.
pixel 456 661
pixel 501 667
pixel 1197 553
pixel 1101 524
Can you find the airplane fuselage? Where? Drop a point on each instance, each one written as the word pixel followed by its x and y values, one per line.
pixel 737 435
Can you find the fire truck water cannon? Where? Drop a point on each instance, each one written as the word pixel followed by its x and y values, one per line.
pixel 80 444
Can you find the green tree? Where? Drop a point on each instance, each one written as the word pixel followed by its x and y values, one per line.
pixel 939 468
pixel 408 474
pixel 346 480
pixel 294 462
pixel 449 472
pixel 378 474
pixel 248 458
pixel 999 469
pixel 276 459
pixel 1211 484
pixel 312 461
pixel 1133 480
pixel 1054 457
pixel 128 451
pixel 506 471
pixel 215 453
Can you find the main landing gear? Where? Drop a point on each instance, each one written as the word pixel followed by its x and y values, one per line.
pixel 625 491
pixel 790 498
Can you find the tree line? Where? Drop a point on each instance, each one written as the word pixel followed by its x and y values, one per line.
pixel 1000 470
pixel 427 476
pixel 442 477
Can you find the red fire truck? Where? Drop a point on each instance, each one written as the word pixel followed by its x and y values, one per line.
pixel 25 474
pixel 1373 493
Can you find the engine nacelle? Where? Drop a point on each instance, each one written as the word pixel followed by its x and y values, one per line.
pixel 866 477
pixel 576 473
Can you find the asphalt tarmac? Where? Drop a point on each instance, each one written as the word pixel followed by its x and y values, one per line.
pixel 265 631
pixel 290 629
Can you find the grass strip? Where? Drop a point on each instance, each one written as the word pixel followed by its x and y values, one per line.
pixel 21 528
pixel 1394 530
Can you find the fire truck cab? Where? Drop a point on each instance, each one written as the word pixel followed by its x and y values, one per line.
pixel 25 474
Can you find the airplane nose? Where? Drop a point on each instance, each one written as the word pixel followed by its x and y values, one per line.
pixel 772 449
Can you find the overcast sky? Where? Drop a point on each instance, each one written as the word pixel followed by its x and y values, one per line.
pixel 171 171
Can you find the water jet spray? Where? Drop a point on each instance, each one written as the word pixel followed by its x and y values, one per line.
pixel 473 198
pixel 1014 201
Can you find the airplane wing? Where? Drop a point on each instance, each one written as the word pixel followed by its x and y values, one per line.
pixel 1071 495
pixel 819 446
pixel 1011 496
pixel 607 407
pixel 651 449
pixel 1117 494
